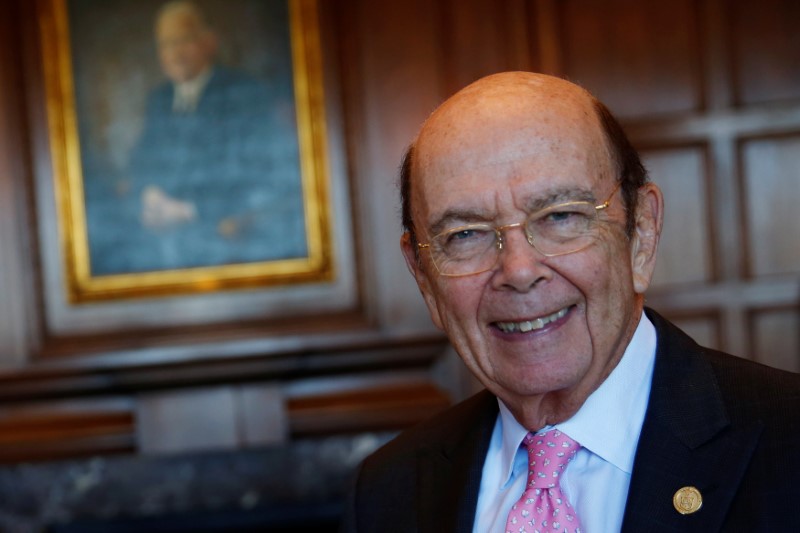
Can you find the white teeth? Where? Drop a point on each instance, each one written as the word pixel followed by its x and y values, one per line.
pixel 531 325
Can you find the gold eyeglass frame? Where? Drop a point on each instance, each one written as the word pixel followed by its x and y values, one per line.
pixel 499 234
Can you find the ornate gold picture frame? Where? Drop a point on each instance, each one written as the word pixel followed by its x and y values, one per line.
pixel 155 199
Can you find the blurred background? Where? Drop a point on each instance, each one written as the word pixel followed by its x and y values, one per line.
pixel 247 410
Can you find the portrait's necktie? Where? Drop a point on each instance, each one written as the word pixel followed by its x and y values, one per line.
pixel 543 507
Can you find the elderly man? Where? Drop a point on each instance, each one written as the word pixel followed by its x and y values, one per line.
pixel 532 232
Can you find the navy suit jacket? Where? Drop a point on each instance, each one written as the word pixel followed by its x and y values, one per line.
pixel 235 158
pixel 727 426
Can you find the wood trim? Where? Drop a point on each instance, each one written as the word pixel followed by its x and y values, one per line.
pixel 371 409
pixel 51 431
pixel 248 360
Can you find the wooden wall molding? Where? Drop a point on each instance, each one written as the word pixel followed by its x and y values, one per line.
pixel 137 370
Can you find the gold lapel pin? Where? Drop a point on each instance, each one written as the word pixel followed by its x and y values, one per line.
pixel 687 500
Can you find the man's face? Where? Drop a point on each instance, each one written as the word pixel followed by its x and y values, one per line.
pixel 185 49
pixel 497 160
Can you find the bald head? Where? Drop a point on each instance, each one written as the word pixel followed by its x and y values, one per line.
pixel 502 117
pixel 186 43
pixel 512 101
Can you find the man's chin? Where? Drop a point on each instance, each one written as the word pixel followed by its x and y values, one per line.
pixel 180 76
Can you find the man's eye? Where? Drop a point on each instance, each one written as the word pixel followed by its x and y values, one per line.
pixel 563 216
pixel 465 240
pixel 464 234
pixel 568 214
pixel 561 223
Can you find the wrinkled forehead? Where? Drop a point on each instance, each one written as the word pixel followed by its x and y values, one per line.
pixel 491 122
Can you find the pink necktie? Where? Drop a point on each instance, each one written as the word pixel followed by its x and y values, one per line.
pixel 543 507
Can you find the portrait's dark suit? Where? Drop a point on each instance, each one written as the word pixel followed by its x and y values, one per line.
pixel 234 158
pixel 729 427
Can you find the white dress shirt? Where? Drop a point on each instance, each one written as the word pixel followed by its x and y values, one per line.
pixel 607 426
pixel 188 93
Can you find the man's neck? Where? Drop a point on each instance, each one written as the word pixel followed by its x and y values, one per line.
pixel 189 92
pixel 199 81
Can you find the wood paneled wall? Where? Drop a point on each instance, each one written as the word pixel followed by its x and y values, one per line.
pixel 709 90
pixel 710 93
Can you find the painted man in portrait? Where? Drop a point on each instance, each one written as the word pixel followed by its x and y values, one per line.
pixel 206 178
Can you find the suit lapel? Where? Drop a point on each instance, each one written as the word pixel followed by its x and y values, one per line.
pixel 449 476
pixel 686 440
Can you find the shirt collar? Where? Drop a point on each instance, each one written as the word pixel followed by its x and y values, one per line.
pixel 609 422
pixel 187 93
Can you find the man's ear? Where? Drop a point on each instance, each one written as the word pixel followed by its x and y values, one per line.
pixel 413 262
pixel 647 231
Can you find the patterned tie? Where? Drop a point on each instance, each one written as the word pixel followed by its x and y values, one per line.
pixel 543 507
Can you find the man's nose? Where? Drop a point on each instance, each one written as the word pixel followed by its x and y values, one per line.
pixel 520 266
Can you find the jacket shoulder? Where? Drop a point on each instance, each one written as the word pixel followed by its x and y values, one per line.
pixel 751 389
pixel 727 389
pixel 744 385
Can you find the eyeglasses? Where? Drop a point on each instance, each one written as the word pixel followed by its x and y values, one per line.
pixel 555 230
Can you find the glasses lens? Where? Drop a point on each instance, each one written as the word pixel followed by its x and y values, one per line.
pixel 555 230
pixel 465 250
pixel 562 228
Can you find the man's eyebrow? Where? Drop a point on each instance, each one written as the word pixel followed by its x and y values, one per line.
pixel 559 196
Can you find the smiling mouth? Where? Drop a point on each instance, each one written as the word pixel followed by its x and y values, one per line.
pixel 530 325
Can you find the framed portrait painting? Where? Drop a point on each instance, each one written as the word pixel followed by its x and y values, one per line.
pixel 188 145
